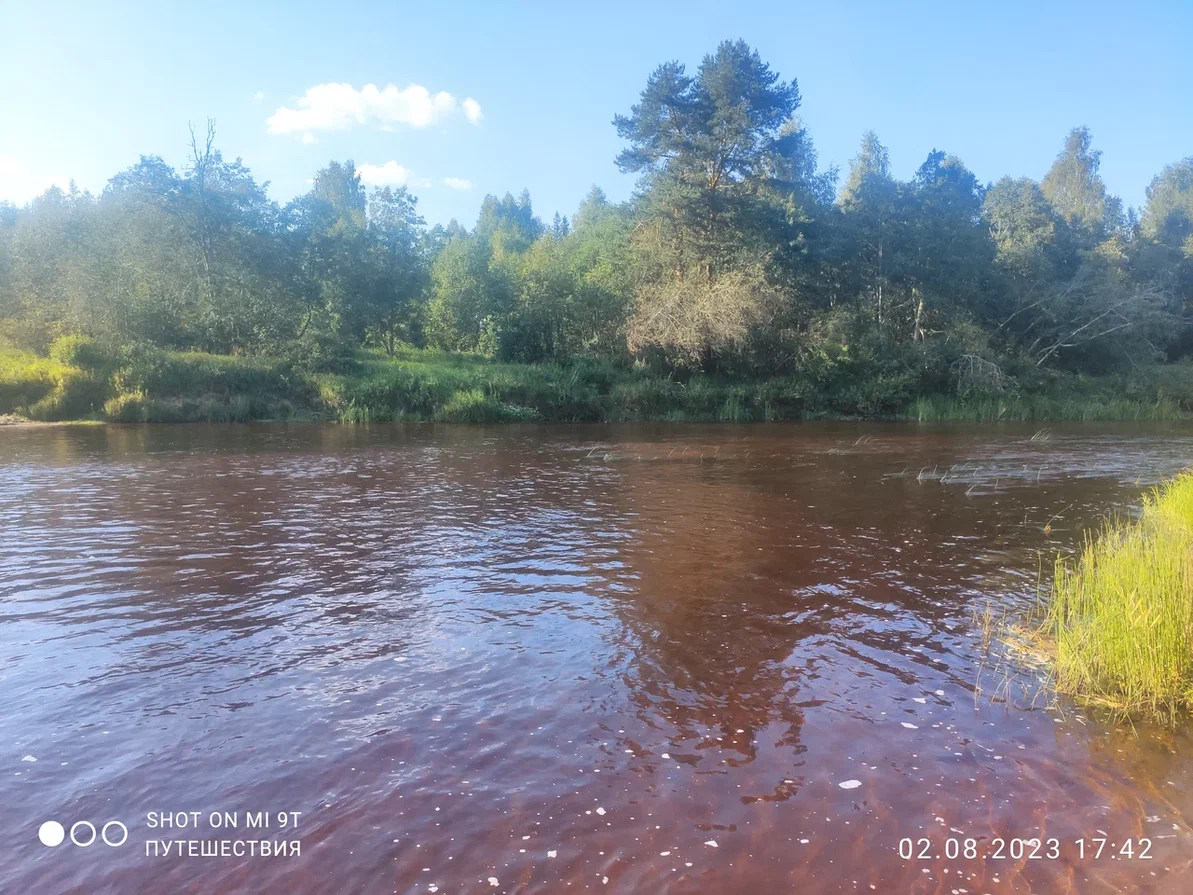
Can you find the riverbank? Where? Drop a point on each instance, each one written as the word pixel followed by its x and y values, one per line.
pixel 421 385
pixel 1120 618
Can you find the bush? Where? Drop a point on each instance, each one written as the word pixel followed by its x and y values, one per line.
pixel 80 351
pixel 488 343
pixel 75 396
pixel 1161 382
pixel 170 374
pixel 141 367
pixel 25 379
pixel 130 407
pixel 473 406
pixel 319 351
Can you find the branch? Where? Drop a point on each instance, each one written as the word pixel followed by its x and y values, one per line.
pixel 1064 342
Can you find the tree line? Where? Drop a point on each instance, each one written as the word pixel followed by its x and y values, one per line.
pixel 738 255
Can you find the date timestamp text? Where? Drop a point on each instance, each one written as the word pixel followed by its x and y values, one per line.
pixel 1017 849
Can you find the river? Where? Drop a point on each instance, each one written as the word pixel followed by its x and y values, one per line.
pixel 635 658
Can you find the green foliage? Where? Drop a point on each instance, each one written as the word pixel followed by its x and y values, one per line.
pixel 466 289
pixel 75 396
pixel 1169 212
pixel 995 408
pixel 79 351
pixel 474 406
pixel 320 351
pixel 128 407
pixel 155 372
pixel 488 342
pixel 1121 614
pixel 554 297
pixel 1075 189
pixel 48 389
pixel 840 379
pixel 870 168
pixel 26 378
pixel 735 284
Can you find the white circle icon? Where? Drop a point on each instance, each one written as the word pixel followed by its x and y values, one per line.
pixel 82 823
pixel 51 833
pixel 104 833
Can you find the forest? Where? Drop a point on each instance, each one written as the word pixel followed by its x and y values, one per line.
pixel 743 280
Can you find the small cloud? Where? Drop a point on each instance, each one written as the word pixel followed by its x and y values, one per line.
pixel 457 183
pixel 340 106
pixel 258 96
pixel 19 185
pixel 389 174
pixel 309 138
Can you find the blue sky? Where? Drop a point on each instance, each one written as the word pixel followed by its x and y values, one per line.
pixel 86 88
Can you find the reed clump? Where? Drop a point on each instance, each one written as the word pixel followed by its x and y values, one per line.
pixel 1121 612
pixel 1040 408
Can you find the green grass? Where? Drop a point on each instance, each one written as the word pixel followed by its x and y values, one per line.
pixel 1158 392
pixel 26 378
pixel 432 385
pixel 173 386
pixel 155 386
pixel 1040 408
pixel 1121 613
pixel 42 388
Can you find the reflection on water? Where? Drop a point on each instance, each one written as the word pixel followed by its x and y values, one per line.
pixel 632 659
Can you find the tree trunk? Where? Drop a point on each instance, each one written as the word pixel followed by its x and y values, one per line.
pixel 880 285
pixel 917 332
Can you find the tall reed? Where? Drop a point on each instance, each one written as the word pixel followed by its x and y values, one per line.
pixel 1121 612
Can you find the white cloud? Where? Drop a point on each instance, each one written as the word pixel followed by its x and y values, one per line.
pixel 457 183
pixel 258 96
pixel 309 138
pixel 340 106
pixel 390 174
pixel 19 185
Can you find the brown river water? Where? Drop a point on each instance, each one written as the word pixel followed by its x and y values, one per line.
pixel 640 658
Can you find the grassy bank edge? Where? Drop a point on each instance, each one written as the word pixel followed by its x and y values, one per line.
pixel 1116 625
pixel 419 385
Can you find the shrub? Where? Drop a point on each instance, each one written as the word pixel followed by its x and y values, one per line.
pixel 129 407
pixel 79 351
pixel 488 343
pixel 319 351
pixel 25 379
pixel 473 406
pixel 76 395
pixel 162 374
pixel 141 367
